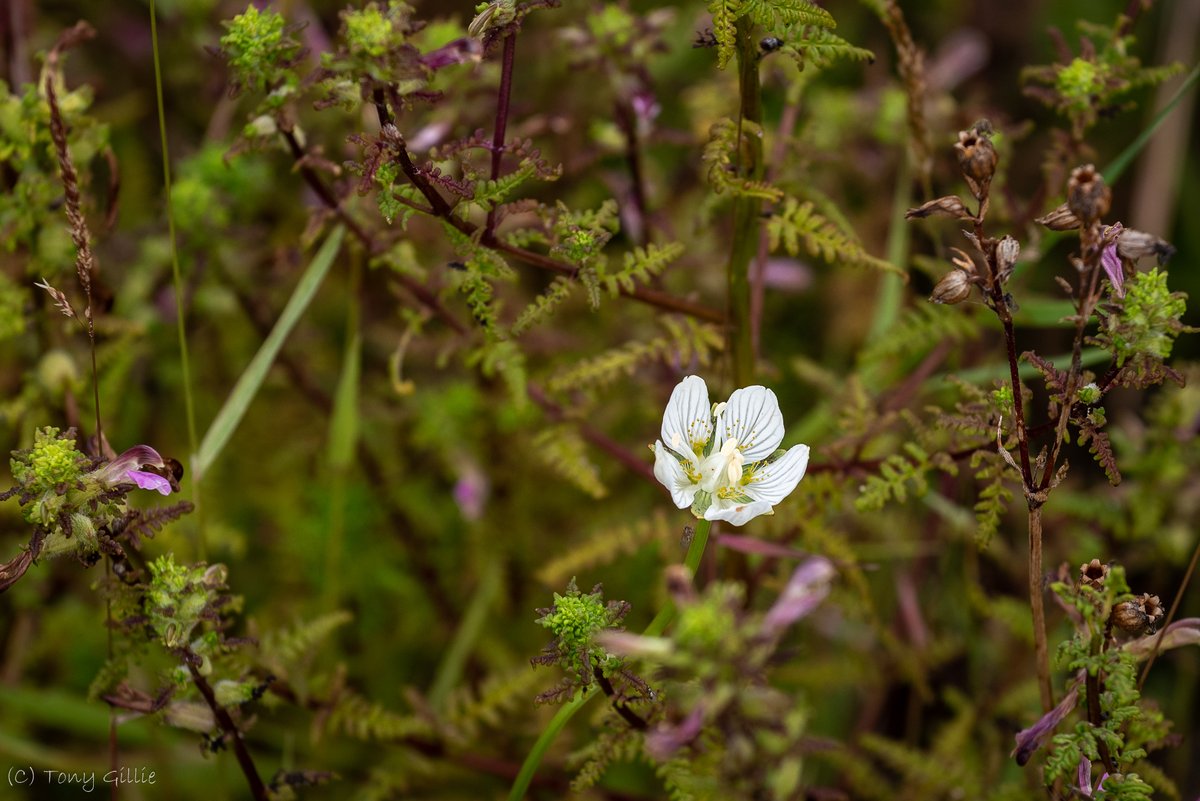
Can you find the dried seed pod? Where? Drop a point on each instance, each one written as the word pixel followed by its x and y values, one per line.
pixel 955 287
pixel 1133 245
pixel 964 262
pixel 1130 618
pixel 1061 219
pixel 1152 608
pixel 1087 196
pixel 948 206
pixel 1093 574
pixel 976 159
pixel 1007 250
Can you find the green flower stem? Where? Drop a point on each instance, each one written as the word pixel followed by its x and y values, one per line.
pixel 567 711
pixel 747 212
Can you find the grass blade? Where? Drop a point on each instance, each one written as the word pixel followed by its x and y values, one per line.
pixel 248 384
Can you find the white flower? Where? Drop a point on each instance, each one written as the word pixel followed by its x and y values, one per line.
pixel 722 460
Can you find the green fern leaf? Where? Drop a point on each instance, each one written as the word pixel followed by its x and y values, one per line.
pixel 724 16
pixel 543 306
pixel 720 157
pixel 563 449
pixel 820 48
pixel 776 15
pixel 640 266
pixel 797 222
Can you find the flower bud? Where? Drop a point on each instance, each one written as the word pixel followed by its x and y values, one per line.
pixel 977 160
pixel 1087 196
pixel 1007 250
pixel 1089 394
pixel 949 206
pixel 955 287
pixel 1133 245
pixel 1093 574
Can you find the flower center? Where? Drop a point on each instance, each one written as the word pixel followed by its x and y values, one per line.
pixel 723 468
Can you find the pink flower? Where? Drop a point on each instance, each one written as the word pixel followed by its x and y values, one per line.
pixel 130 467
pixel 1110 260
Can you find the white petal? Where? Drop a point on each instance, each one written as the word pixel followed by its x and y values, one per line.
pixel 736 513
pixel 687 422
pixel 754 420
pixel 774 482
pixel 670 474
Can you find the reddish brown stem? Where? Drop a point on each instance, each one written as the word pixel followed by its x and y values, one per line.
pixel 502 101
pixel 245 761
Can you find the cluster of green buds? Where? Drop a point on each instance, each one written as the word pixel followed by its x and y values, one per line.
pixel 575 620
pixel 63 496
pixel 179 599
pixel 75 502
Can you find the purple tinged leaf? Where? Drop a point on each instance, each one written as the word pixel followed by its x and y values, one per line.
pixel 1031 739
pixel 805 590
pixel 665 740
pixel 1180 633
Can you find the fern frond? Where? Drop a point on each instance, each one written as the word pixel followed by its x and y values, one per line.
pixel 640 265
pixel 468 712
pixel 603 547
pixel 925 777
pixel 918 330
pixel 563 449
pixel 1101 450
pixel 720 156
pixel 994 497
pixel 684 342
pixel 611 746
pixel 775 15
pixel 280 649
pixel 724 16
pixel 357 717
pixel 820 48
pixel 146 523
pixel 543 306
pixel 491 193
pixel 797 222
pixel 477 292
pixel 897 473
pixel 503 358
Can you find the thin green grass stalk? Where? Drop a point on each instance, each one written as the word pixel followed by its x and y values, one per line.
pixel 185 364
pixel 450 670
pixel 223 425
pixel 1118 165
pixel 747 211
pixel 521 784
pixel 343 437
pixel 891 285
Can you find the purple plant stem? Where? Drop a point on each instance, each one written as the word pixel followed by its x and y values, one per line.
pixel 245 761
pixel 502 102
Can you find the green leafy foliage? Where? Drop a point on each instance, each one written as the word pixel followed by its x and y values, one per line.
pixel 797 222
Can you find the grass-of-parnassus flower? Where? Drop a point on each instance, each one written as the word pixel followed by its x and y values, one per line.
pixel 723 460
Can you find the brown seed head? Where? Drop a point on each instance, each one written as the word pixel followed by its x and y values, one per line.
pixel 1130 618
pixel 1061 219
pixel 1093 573
pixel 955 287
pixel 977 160
pixel 948 206
pixel 1087 196
pixel 1007 250
pixel 1151 606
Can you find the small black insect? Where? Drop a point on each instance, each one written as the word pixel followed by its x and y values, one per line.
pixel 705 38
pixel 770 44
